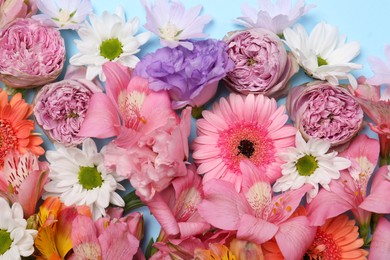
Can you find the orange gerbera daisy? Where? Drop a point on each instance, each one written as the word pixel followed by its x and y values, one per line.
pixel 15 129
pixel 337 239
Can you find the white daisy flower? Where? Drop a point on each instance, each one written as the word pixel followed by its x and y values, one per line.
pixel 15 239
pixel 324 54
pixel 108 38
pixel 309 163
pixel 79 177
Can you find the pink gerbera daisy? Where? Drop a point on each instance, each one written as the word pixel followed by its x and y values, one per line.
pixel 241 127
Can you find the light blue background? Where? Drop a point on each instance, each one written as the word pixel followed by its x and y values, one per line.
pixel 361 20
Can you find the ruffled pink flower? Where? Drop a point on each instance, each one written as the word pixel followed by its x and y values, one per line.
pixel 376 105
pixel 241 128
pixel 60 107
pixel 156 157
pixel 262 64
pixel 22 179
pixel 107 238
pixel 324 111
pixel 175 207
pixel 349 192
pixel 31 54
pixel 10 10
pixel 128 110
pixel 256 214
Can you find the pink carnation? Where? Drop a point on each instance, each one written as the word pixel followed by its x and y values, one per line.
pixel 30 54
pixel 12 9
pixel 324 111
pixel 262 64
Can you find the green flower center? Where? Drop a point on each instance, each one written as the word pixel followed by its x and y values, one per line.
pixel 111 48
pixel 306 165
pixel 321 61
pixel 5 241
pixel 90 177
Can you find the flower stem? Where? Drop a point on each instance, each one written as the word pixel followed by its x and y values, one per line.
pixel 384 141
pixel 364 231
pixel 132 201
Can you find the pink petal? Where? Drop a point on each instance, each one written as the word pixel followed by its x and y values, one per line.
pixel 380 245
pixel 294 237
pixel 251 175
pixel 118 78
pixel 188 229
pixel 255 229
pixel 222 206
pixel 84 233
pixel 378 200
pixel 102 119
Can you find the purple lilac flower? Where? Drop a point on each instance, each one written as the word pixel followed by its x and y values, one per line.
pixel 191 77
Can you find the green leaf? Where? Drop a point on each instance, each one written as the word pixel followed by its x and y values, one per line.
pixel 132 201
pixel 150 249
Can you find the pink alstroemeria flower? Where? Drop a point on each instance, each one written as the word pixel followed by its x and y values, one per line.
pixel 380 245
pixel 376 104
pixel 22 179
pixel 175 207
pixel 128 109
pixel 256 214
pixel 349 192
pixel 107 238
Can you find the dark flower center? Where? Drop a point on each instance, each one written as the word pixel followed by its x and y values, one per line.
pixel 246 148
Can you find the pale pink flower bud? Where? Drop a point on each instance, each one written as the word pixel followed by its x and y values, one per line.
pixel 30 54
pixel 324 111
pixel 262 64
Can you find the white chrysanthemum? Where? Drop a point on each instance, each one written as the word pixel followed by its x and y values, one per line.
pixel 15 239
pixel 108 38
pixel 324 54
pixel 79 177
pixel 309 163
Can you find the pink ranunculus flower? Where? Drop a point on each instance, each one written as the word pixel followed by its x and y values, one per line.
pixel 31 54
pixel 175 207
pixel 256 214
pixel 22 179
pixel 262 64
pixel 61 107
pixel 324 111
pixel 10 10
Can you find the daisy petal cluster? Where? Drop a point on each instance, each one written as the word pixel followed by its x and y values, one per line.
pixel 63 14
pixel 309 162
pixel 108 38
pixel 323 54
pixel 274 16
pixel 174 24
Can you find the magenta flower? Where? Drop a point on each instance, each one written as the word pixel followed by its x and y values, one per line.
pixel 31 54
pixel 261 63
pixel 10 10
pixel 22 179
pixel 256 214
pixel 107 238
pixel 376 105
pixel 324 111
pixel 61 107
pixel 273 16
pixel 175 207
pixel 173 24
pixel 190 77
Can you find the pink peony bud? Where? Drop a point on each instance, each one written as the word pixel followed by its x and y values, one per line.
pixel 60 107
pixel 324 111
pixel 12 9
pixel 262 64
pixel 30 54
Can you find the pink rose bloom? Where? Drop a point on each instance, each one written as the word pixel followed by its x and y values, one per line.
pixel 12 9
pixel 320 110
pixel 61 107
pixel 30 54
pixel 262 64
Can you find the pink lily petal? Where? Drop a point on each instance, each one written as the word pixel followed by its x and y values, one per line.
pixel 188 228
pixel 102 120
pixel 255 229
pixel 378 200
pixel 294 237
pixel 84 233
pixel 222 206
pixel 380 245
pixel 118 78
